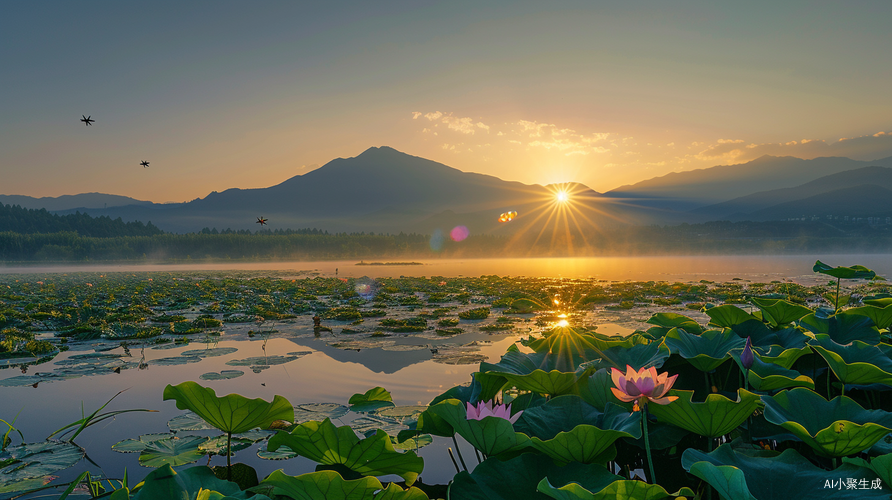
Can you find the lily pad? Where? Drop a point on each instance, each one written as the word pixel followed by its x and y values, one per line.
pixel 705 351
pixel 139 444
pixel 834 428
pixel 222 375
pixel 209 352
pixel 217 445
pixel 372 400
pixel 851 272
pixel 261 361
pixel 318 411
pixel 33 460
pixel 188 421
pixel 172 451
pixel 179 360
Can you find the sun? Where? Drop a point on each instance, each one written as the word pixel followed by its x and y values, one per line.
pixel 562 196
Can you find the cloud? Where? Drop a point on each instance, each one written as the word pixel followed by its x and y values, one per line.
pixel 463 125
pixel 416 114
pixel 433 116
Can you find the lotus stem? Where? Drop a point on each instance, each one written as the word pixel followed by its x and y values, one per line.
pixel 458 450
pixel 452 456
pixel 477 453
pixel 650 462
pixel 837 293
pixel 228 456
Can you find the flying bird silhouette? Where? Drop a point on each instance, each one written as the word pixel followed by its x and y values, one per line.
pixel 262 221
pixel 144 163
pixel 87 120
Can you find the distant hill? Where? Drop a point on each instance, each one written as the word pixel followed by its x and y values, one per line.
pixel 71 201
pixel 381 190
pixel 866 200
pixel 30 221
pixel 738 208
pixel 682 191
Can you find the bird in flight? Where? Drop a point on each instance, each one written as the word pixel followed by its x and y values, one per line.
pixel 87 120
pixel 144 163
pixel 262 221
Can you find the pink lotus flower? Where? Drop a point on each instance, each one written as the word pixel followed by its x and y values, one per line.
pixel 642 384
pixel 487 410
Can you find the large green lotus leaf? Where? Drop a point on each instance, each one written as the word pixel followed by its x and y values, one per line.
pixel 843 327
pixel 769 475
pixel 595 390
pixel 846 273
pixel 768 377
pixel 673 320
pixel 783 357
pixel 324 443
pixel 623 489
pixel 728 315
pixel 232 413
pixel 834 428
pixel 879 300
pixel 599 342
pixel 564 413
pixel 31 460
pixel 881 316
pixel 166 483
pixel 373 399
pixel 213 495
pixel 172 451
pixel 536 372
pixel 714 417
pixel 763 338
pixel 705 351
pixel 566 341
pixel 881 466
pixel 329 485
pixel 491 435
pixel 780 312
pixel 855 363
pixel 638 356
pixel 585 444
pixel 519 477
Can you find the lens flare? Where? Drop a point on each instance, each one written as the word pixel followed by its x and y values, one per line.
pixel 563 323
pixel 459 233
pixel 562 196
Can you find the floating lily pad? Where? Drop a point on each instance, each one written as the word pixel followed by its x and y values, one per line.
pixel 139 444
pixel 318 411
pixel 280 454
pixel 172 451
pixel 371 423
pixel 180 360
pixel 412 443
pixel 261 361
pixel 32 460
pixel 209 352
pixel 217 445
pixel 223 375
pixel 188 421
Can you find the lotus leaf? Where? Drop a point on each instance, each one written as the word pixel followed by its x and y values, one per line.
pixel 371 423
pixel 175 360
pixel 519 477
pixel 33 460
pixel 763 337
pixel 534 372
pixel 673 320
pixel 881 300
pixel 714 417
pixel 324 443
pixel 767 377
pixel 261 361
pixel 563 413
pixel 780 312
pixel 209 352
pixel 223 375
pixel 567 342
pixel 638 356
pixel 782 357
pixel 329 485
pixel 491 435
pixel 705 351
pixel 595 390
pixel 372 400
pixel 855 363
pixel 881 466
pixel 728 316
pixel 172 451
pixel 623 489
pixel 769 475
pixel 188 421
pixel 166 483
pixel 318 411
pixel 834 428
pixel 412 443
pixel 232 413
pixel 851 272
pixel 217 445
pixel 843 328
pixel 881 316
pixel 138 445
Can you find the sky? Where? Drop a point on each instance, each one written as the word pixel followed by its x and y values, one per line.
pixel 223 94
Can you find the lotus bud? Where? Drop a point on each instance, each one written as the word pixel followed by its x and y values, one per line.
pixel 746 357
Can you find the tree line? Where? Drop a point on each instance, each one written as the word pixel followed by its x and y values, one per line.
pixel 14 218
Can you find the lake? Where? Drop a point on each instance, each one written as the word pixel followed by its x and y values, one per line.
pixel 332 366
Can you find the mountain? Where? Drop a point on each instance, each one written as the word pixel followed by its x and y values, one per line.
pixel 381 190
pixel 862 201
pixel 682 191
pixel 739 208
pixel 71 201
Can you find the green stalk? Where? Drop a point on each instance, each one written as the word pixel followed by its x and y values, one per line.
pixel 228 455
pixel 837 293
pixel 650 462
pixel 458 450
